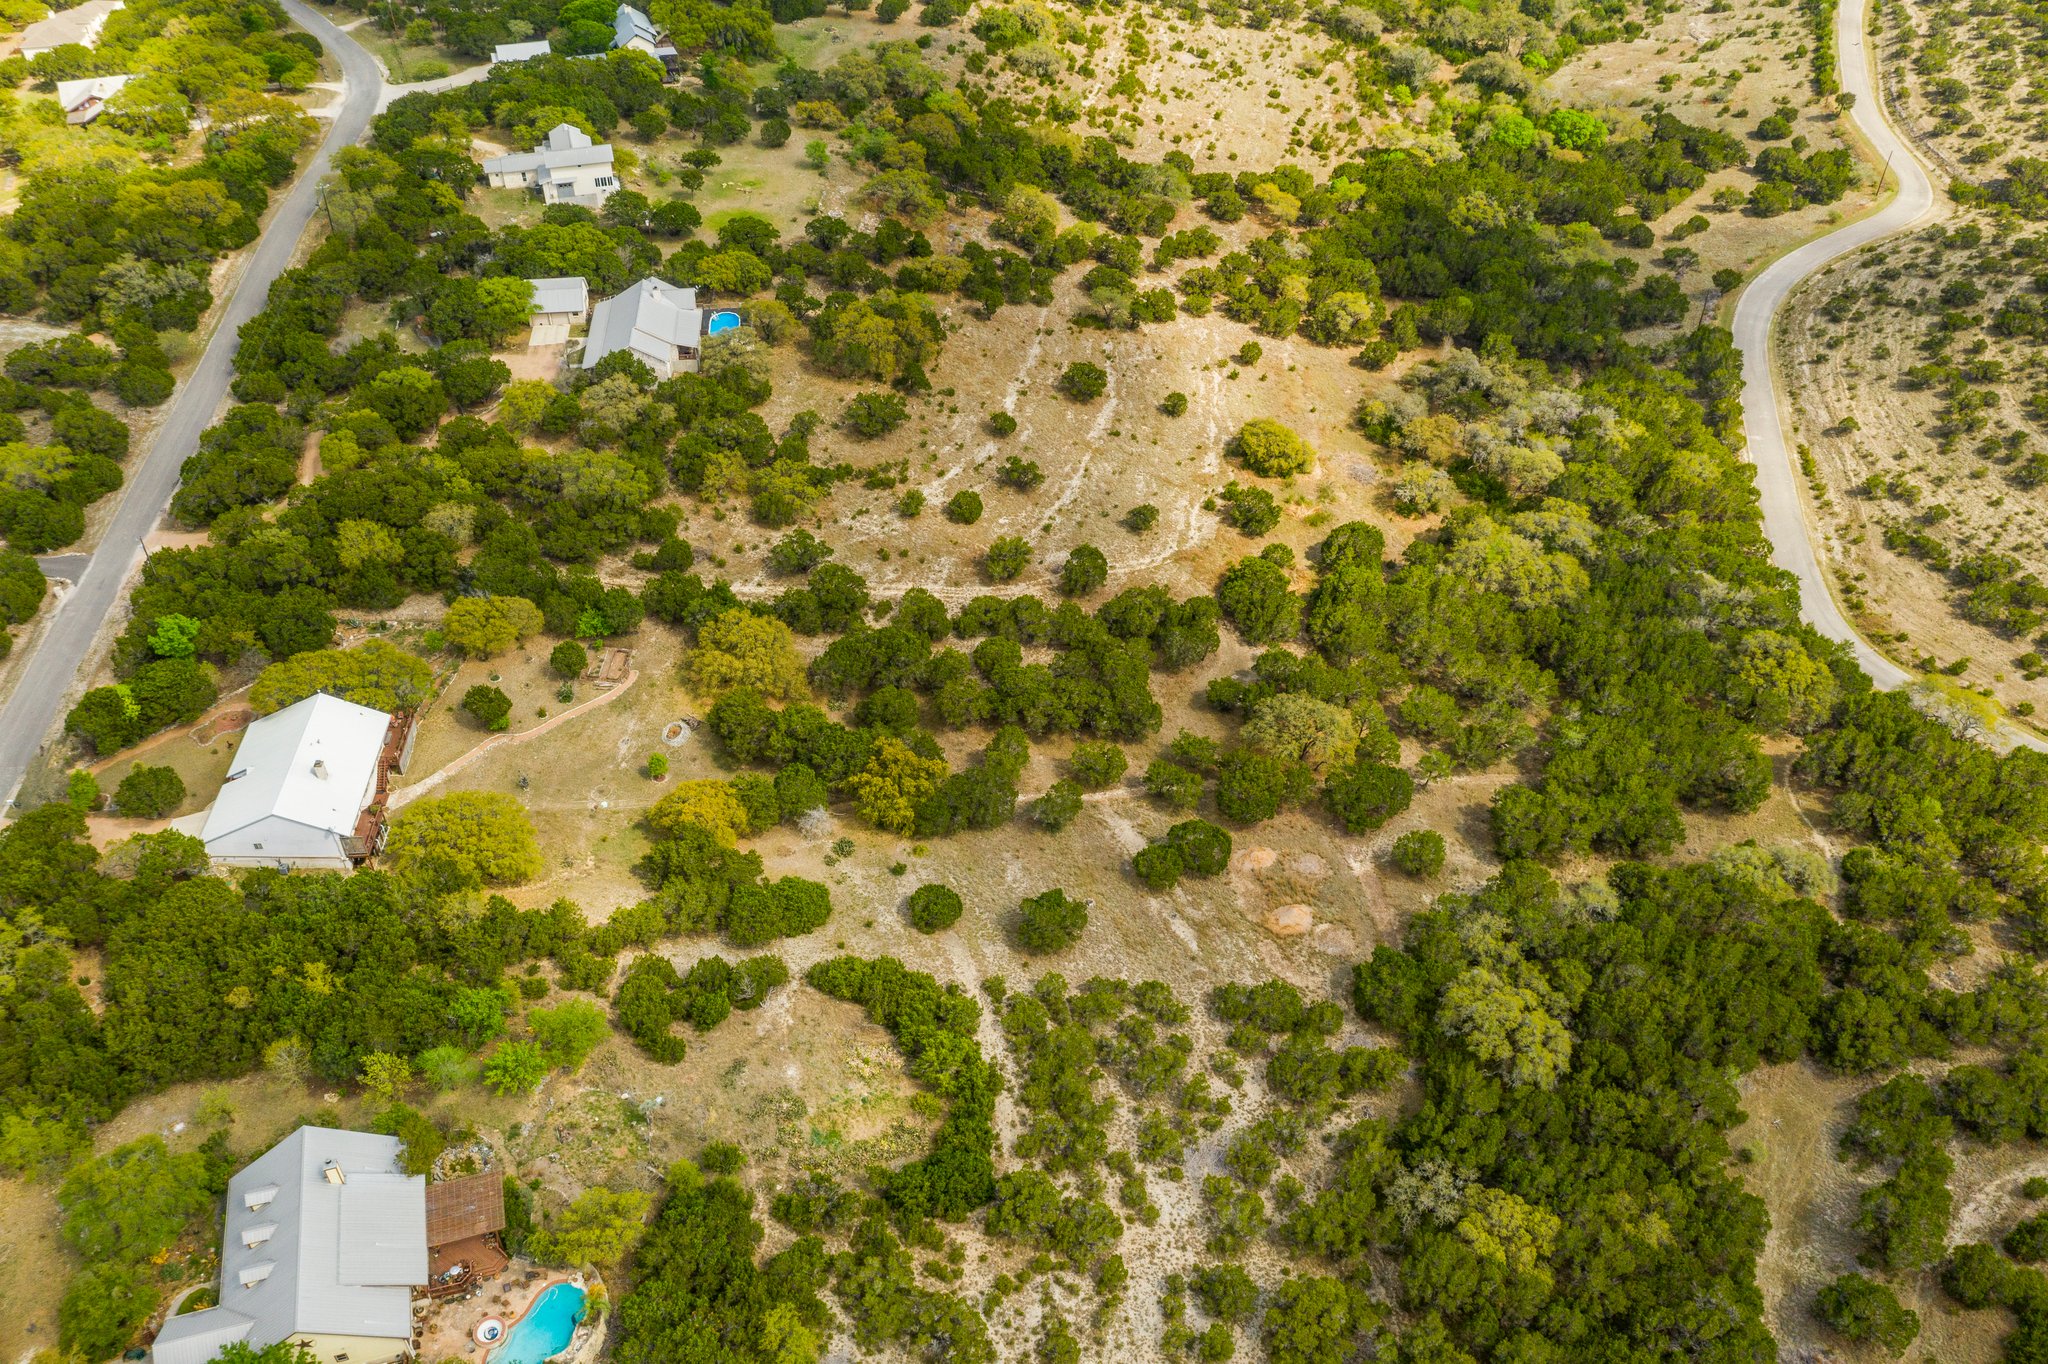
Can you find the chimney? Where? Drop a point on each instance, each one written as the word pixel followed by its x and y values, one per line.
pixel 320 768
pixel 332 1171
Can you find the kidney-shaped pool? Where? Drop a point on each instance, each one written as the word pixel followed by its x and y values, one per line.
pixel 546 1328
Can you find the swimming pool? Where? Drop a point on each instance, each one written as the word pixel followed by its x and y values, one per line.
pixel 721 322
pixel 545 1330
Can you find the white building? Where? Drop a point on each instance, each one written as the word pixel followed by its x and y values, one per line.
pixel 633 29
pixel 520 52
pixel 299 786
pixel 656 321
pixel 325 1239
pixel 559 303
pixel 84 100
pixel 81 24
pixel 567 168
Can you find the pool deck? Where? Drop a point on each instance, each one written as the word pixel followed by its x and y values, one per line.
pixel 448 1325
pixel 576 1329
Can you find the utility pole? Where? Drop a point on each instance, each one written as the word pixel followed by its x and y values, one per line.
pixel 1887 169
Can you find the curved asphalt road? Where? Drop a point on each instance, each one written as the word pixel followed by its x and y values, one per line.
pixel 1763 405
pixel 62 654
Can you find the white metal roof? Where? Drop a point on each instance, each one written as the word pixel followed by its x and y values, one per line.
pixel 652 318
pixel 79 24
pixel 198 1336
pixel 71 94
pixel 313 763
pixel 566 145
pixel 343 1259
pixel 521 52
pixel 560 294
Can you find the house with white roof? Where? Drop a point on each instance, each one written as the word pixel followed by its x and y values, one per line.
pixel 81 24
pixel 520 52
pixel 567 168
pixel 559 303
pixel 85 100
pixel 304 788
pixel 632 29
pixel 325 1239
pixel 656 321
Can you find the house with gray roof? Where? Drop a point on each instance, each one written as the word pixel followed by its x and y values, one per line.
pixel 303 788
pixel 86 99
pixel 567 168
pixel 325 1240
pixel 81 24
pixel 654 320
pixel 632 29
pixel 559 303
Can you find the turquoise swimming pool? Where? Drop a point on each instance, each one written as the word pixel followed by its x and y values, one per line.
pixel 545 1330
pixel 721 322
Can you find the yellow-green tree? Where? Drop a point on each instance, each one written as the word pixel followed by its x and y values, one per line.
pixel 1510 1231
pixel 1272 450
pixel 741 649
pixel 1508 1026
pixel 1292 725
pixel 470 837
pixel 597 1229
pixel 707 803
pixel 887 791
pixel 482 626
pixel 1788 688
pixel 375 674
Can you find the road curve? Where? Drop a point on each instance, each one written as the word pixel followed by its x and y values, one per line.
pixel 1764 404
pixel 60 657
pixel 1756 313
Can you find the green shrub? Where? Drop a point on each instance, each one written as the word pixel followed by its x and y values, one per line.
pixel 149 792
pixel 1862 1309
pixel 1175 404
pixel 1419 852
pixel 1096 765
pixel 1204 848
pixel 964 507
pixel 1368 794
pixel 1250 511
pixel 2028 1240
pixel 1057 808
pixel 1050 922
pixel 871 415
pixel 1006 558
pixel 1173 785
pixel 569 659
pixel 488 706
pixel 1022 474
pixel 1083 382
pixel 933 907
pixel 1086 569
pixel 1158 866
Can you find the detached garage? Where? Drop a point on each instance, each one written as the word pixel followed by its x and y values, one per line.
pixel 306 789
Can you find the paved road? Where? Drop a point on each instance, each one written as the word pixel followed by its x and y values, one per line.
pixel 1763 403
pixel 61 656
